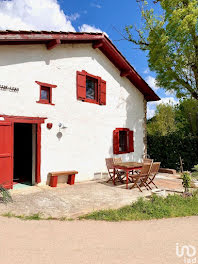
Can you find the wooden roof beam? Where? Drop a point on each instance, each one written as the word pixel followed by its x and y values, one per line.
pixel 53 43
pixel 125 73
pixel 98 44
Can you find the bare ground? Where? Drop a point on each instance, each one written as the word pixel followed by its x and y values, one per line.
pixel 50 242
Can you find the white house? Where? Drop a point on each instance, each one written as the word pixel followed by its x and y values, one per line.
pixel 67 102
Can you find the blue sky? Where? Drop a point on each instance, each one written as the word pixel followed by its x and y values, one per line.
pixel 110 16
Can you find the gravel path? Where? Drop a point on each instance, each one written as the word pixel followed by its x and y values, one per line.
pixel 50 242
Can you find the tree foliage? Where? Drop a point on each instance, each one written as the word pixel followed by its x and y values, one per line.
pixel 173 133
pixel 171 40
pixel 163 122
pixel 169 118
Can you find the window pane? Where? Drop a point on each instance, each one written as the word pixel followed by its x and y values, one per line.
pixel 123 141
pixel 91 88
pixel 45 93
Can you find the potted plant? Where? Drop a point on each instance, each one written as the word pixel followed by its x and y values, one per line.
pixel 186 182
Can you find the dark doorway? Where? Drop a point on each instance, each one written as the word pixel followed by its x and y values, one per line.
pixel 23 153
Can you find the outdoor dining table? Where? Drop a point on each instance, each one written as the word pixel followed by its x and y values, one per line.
pixel 127 167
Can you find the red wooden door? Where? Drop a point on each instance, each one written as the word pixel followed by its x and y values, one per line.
pixel 6 154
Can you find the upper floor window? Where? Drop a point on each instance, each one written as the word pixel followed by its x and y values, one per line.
pixel 45 93
pixel 91 88
pixel 123 141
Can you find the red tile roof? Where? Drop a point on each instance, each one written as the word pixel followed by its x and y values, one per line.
pixel 98 40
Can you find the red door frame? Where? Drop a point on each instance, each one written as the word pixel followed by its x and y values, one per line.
pixel 31 120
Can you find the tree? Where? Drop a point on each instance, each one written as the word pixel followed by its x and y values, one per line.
pixel 163 122
pixel 171 40
pixel 186 117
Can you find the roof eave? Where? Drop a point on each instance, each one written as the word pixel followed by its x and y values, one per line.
pixel 99 40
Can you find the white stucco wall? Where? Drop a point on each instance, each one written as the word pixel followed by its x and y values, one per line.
pixel 87 140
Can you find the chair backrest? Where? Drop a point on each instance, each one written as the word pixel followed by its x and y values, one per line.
pixel 109 163
pixel 155 168
pixel 147 160
pixel 117 160
pixel 145 169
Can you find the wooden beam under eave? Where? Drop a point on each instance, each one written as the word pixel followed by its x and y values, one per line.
pixel 53 43
pixel 97 44
pixel 125 73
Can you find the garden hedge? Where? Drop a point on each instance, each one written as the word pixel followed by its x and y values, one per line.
pixel 167 149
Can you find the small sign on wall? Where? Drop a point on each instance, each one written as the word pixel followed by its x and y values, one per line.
pixel 9 88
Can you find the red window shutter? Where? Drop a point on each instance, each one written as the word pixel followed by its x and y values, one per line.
pixel 102 92
pixel 116 142
pixel 131 141
pixel 81 85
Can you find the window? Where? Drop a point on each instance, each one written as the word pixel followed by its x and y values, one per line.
pixel 123 141
pixel 45 93
pixel 91 88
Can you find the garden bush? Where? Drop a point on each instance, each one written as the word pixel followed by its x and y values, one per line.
pixel 167 149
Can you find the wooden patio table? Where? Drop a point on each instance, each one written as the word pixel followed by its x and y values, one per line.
pixel 127 167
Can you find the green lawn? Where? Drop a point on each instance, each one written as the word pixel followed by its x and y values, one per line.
pixel 154 208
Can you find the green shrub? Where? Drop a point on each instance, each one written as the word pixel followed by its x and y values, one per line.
pixel 167 149
pixel 186 180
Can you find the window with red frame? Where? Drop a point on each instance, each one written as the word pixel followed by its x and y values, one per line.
pixel 91 88
pixel 45 93
pixel 123 141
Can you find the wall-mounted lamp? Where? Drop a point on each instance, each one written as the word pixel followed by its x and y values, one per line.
pixel 49 125
pixel 62 126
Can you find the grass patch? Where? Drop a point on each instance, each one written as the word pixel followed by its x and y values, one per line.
pixel 24 217
pixel 154 208
pixel 35 217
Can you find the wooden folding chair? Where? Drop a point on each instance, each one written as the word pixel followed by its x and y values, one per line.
pixel 147 160
pixel 139 179
pixel 117 160
pixel 153 172
pixel 119 175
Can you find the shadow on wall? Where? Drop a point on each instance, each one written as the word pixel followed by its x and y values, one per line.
pixel 34 53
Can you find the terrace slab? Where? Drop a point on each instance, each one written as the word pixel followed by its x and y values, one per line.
pixel 74 200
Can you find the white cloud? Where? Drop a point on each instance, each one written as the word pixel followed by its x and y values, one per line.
pixel 152 82
pixel 151 106
pixel 93 29
pixel 33 15
pixel 146 71
pixel 38 15
pixel 88 28
pixel 150 113
pixel 73 17
pixel 96 5
pixel 167 100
